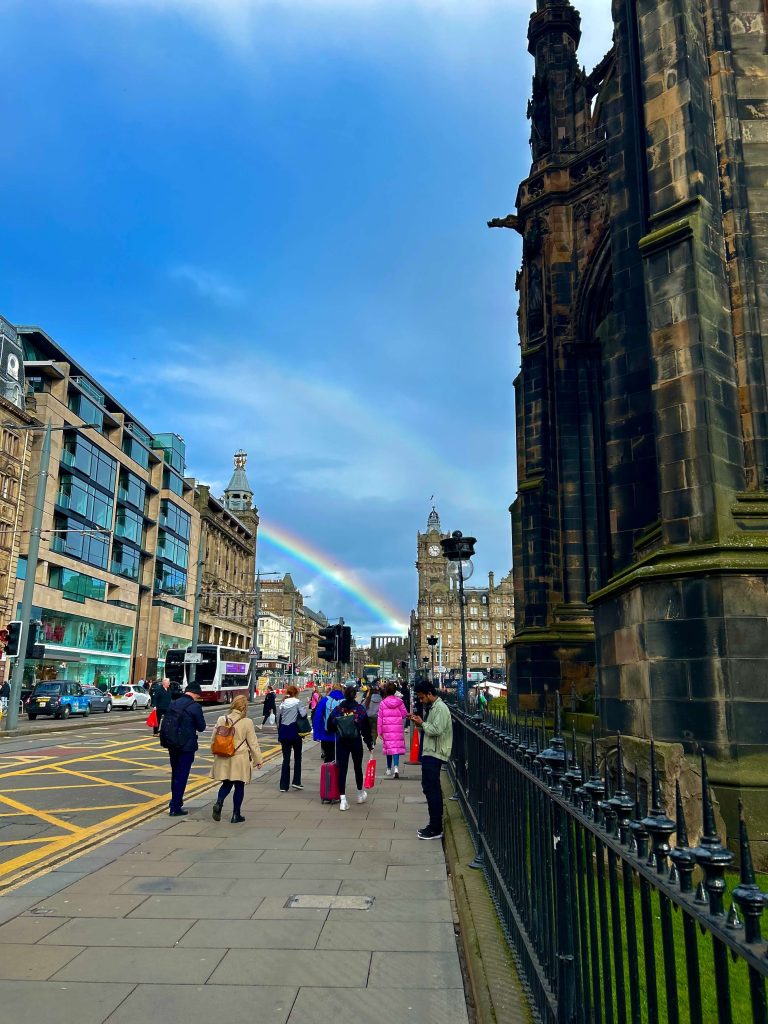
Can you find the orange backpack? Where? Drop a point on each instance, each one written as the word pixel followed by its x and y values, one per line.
pixel 223 742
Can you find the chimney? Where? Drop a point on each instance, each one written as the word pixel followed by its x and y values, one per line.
pixel 490 580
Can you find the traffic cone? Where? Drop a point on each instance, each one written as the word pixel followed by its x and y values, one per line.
pixel 413 757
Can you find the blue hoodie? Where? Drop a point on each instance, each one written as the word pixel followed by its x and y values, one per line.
pixel 319 732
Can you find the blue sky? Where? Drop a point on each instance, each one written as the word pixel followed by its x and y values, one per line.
pixel 262 225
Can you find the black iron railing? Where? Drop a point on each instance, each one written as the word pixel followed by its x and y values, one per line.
pixel 607 920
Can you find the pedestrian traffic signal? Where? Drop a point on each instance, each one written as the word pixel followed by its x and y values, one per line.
pixel 14 639
pixel 34 649
pixel 327 644
pixel 345 644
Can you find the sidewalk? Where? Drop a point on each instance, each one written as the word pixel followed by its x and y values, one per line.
pixel 301 915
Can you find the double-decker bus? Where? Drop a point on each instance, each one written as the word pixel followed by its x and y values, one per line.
pixel 222 673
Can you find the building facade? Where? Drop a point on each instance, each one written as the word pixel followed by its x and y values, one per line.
pixel 115 582
pixel 229 527
pixel 289 630
pixel 641 522
pixel 489 611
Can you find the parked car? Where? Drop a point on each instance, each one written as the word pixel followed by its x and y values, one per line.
pixel 130 698
pixel 58 698
pixel 100 701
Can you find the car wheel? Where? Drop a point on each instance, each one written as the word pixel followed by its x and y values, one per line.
pixel 108 708
pixel 134 706
pixel 66 711
pixel 87 710
pixel 32 717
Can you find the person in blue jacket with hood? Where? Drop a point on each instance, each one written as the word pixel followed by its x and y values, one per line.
pixel 320 732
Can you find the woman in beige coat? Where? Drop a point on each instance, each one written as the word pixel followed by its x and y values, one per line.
pixel 235 771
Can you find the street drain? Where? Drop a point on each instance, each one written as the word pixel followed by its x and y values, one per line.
pixel 329 902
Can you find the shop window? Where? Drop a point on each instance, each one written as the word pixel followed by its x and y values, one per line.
pixel 75 585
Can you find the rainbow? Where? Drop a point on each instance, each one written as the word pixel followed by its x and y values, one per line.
pixel 345 579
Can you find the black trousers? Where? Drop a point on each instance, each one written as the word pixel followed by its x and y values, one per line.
pixel 345 750
pixel 237 799
pixel 290 746
pixel 328 748
pixel 159 714
pixel 181 765
pixel 430 785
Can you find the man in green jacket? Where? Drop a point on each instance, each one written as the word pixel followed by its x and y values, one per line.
pixel 438 739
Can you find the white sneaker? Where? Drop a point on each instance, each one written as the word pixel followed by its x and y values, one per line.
pixel 388 773
pixel 362 796
pixel 397 773
pixel 343 805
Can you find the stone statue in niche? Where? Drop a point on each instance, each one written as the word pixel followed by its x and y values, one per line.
pixel 534 293
pixel 539 115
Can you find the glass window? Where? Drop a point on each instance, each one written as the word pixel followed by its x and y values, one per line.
pixel 126 560
pixel 135 450
pixel 80 454
pixel 75 586
pixel 475 658
pixel 473 625
pixel 21 567
pixel 473 610
pixel 71 539
pixel 173 449
pixel 172 549
pixel 172 481
pixel 131 489
pixel 175 519
pixel 86 409
pixel 91 634
pixel 169 580
pixel 181 615
pixel 84 499
pixel 129 525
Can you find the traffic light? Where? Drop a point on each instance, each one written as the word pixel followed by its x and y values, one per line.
pixel 14 637
pixel 345 644
pixel 34 649
pixel 326 645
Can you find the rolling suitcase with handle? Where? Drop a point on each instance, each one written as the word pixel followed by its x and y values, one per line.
pixel 329 782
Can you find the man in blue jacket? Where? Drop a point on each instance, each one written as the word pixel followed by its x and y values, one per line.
pixel 181 723
pixel 320 723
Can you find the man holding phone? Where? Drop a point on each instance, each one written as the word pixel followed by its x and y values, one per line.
pixel 437 731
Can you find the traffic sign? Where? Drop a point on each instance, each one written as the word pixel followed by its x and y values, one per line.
pixel 254 653
pixel 193 659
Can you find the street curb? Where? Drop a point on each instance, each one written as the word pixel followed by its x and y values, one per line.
pixel 495 987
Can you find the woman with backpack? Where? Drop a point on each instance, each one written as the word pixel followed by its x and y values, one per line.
pixel 290 729
pixel 234 771
pixel 392 715
pixel 351 726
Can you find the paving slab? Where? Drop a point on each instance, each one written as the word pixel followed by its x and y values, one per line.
pixel 395 889
pixel 387 909
pixel 76 904
pixel 181 885
pixel 28 929
pixel 168 966
pixel 255 934
pixel 324 1005
pixel 238 1004
pixel 387 935
pixel 34 963
pixel 340 871
pixel 313 857
pixel 43 1002
pixel 195 907
pixel 431 872
pixel 311 968
pixel 415 970
pixel 273 908
pixel 123 931
pixel 234 869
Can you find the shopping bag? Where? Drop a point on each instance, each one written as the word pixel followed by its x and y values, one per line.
pixel 152 719
pixel 370 774
pixel 271 720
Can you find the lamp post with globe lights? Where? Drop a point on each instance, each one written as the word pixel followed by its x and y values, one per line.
pixel 459 549
pixel 432 641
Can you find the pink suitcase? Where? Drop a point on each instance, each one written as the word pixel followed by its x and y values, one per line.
pixel 329 782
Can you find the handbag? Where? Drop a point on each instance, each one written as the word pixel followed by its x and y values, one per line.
pixel 370 774
pixel 304 725
pixel 223 742
pixel 152 719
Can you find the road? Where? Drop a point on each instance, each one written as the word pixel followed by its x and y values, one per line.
pixel 64 792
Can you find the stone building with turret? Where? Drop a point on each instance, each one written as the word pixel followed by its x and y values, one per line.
pixel 640 526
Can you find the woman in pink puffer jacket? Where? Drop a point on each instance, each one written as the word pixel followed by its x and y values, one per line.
pixel 392 715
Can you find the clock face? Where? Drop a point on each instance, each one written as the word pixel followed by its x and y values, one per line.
pixel 434 550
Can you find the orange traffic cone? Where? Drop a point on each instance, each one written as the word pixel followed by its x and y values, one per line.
pixel 413 757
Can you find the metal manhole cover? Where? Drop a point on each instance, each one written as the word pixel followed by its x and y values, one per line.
pixel 329 902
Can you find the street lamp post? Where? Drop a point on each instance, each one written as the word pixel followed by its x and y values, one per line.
pixel 459 549
pixel 255 644
pixel 432 641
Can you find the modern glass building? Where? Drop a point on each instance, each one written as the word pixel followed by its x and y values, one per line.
pixel 115 580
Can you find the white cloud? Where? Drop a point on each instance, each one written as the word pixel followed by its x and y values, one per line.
pixel 208 284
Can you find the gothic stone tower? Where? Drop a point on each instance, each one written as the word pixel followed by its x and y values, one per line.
pixel 641 524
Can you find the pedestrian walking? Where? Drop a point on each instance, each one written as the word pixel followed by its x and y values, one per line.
pixel 320 731
pixel 372 702
pixel 182 721
pixel 437 731
pixel 391 722
pixel 291 710
pixel 270 704
pixel 235 772
pixel 351 725
pixel 160 697
pixel 314 699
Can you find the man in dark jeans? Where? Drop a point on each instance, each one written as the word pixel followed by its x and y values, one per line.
pixel 186 710
pixel 438 740
pixel 161 699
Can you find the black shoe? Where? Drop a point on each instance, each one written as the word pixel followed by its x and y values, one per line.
pixel 177 814
pixel 236 819
pixel 296 785
pixel 429 833
pixel 216 811
pixel 283 790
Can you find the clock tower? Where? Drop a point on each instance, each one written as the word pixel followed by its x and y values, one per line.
pixel 431 564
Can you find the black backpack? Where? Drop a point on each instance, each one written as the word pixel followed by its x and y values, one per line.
pixel 176 728
pixel 346 726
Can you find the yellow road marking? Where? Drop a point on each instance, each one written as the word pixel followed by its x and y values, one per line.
pixel 43 815
pixel 26 842
pixel 104 782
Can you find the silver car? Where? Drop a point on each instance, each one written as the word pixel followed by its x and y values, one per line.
pixel 129 697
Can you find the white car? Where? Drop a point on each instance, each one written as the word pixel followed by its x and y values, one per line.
pixel 130 697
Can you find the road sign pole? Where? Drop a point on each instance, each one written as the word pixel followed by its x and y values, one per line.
pixel 28 593
pixel 255 640
pixel 192 670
